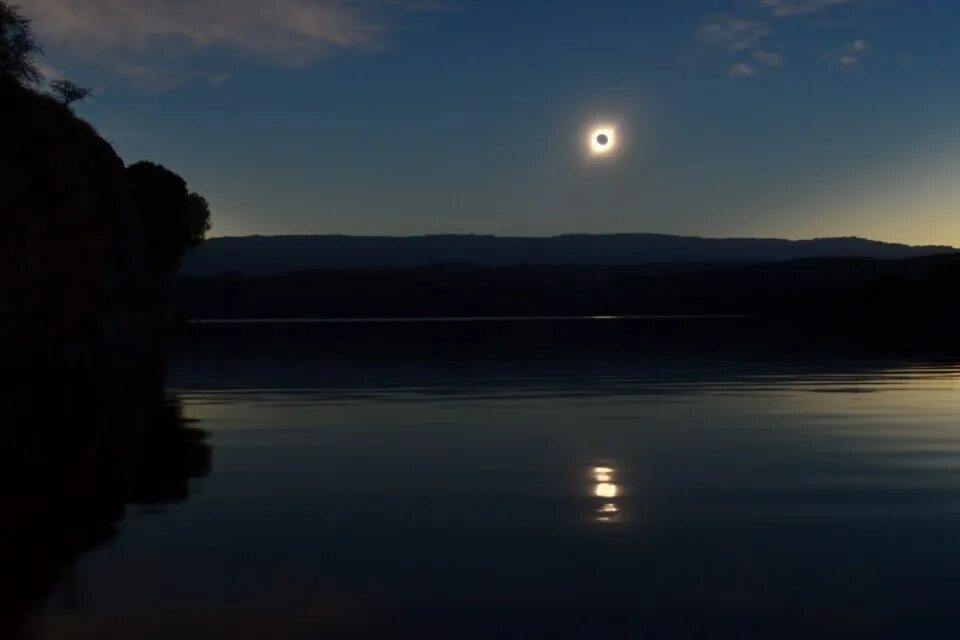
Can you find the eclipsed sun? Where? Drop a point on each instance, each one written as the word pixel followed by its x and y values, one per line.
pixel 602 141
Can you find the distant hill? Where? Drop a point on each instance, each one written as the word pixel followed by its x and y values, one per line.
pixel 271 255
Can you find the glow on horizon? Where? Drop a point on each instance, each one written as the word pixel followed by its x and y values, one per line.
pixel 914 203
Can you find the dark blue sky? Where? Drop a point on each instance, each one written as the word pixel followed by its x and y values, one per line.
pixel 792 118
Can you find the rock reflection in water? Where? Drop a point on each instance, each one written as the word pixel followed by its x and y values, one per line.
pixel 74 454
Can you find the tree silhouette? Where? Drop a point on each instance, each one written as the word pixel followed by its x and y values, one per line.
pixel 18 46
pixel 69 92
pixel 173 219
pixel 198 217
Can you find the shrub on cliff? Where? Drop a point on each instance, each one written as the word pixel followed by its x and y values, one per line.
pixel 18 46
pixel 174 220
pixel 68 92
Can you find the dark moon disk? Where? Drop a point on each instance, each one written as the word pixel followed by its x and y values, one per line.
pixel 602 139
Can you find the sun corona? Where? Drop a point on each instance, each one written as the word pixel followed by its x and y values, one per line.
pixel 602 141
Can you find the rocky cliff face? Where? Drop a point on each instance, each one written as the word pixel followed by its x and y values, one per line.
pixel 74 287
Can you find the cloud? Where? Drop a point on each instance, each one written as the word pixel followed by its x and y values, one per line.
pixel 850 54
pixel 768 58
pixel 741 37
pixel 161 77
pixel 48 71
pixel 754 43
pixel 790 8
pixel 141 37
pixel 742 70
pixel 732 34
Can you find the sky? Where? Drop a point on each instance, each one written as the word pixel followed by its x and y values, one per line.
pixel 761 118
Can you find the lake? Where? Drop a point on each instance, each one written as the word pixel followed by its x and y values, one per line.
pixel 656 478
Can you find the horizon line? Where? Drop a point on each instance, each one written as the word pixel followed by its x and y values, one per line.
pixel 575 235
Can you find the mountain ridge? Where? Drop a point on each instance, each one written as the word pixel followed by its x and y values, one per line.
pixel 271 255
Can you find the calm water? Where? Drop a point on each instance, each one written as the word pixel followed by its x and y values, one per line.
pixel 622 479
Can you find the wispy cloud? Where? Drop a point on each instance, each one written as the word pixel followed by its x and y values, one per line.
pixel 740 38
pixel 732 34
pixel 139 37
pixel 850 54
pixel 161 76
pixel 48 71
pixel 790 8
pixel 742 70
pixel 768 58
pixel 754 43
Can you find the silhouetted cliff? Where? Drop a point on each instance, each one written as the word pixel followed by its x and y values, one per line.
pixel 74 287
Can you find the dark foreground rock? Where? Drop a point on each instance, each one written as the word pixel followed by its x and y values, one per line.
pixel 75 291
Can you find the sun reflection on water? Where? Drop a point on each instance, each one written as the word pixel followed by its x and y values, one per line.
pixel 605 490
pixel 605 487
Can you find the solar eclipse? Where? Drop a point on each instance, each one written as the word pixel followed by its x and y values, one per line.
pixel 602 140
